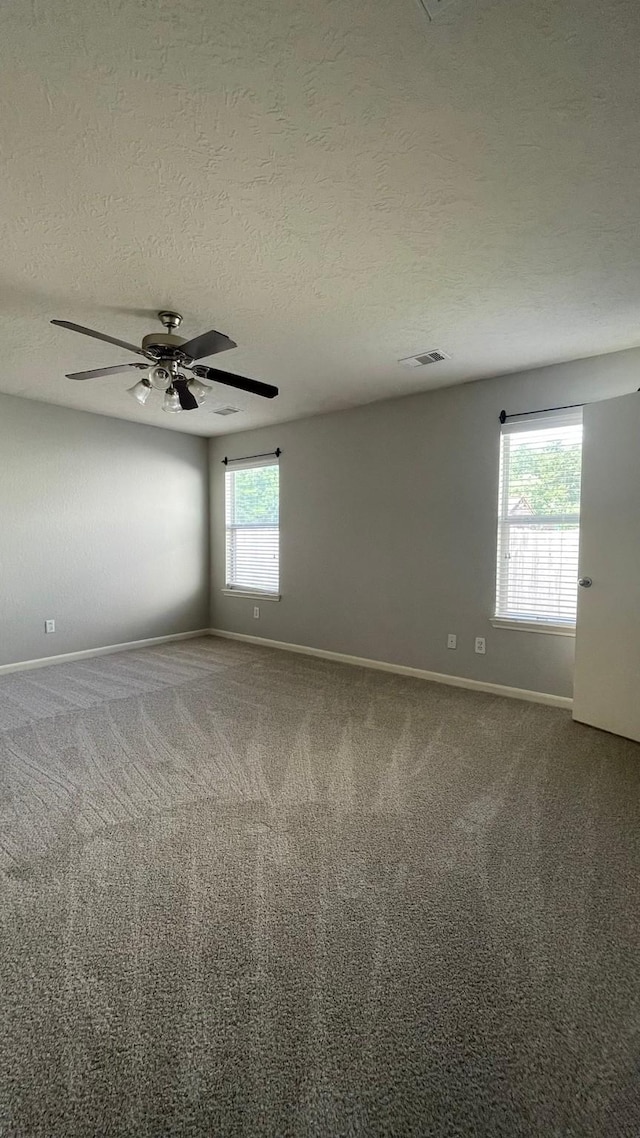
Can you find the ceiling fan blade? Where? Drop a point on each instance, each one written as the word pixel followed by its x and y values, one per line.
pixel 99 336
pixel 188 402
pixel 208 344
pixel 253 386
pixel 97 372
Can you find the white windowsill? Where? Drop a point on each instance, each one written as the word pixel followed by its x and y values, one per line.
pixel 533 626
pixel 254 593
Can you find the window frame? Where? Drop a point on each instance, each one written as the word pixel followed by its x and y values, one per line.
pixel 511 620
pixel 234 590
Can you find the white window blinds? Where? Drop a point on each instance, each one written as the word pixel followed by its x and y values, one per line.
pixel 539 519
pixel 252 495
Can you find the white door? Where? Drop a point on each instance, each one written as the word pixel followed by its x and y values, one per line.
pixel 607 670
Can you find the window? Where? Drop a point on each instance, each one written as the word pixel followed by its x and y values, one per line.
pixel 539 521
pixel 252 527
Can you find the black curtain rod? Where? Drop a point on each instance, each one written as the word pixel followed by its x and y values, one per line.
pixel 267 454
pixel 567 407
pixel 521 414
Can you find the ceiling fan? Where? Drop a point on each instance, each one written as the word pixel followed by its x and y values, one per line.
pixel 168 357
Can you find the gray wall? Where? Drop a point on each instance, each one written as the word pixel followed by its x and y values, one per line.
pixel 388 527
pixel 103 526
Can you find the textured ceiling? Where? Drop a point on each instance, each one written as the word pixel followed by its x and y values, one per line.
pixel 334 183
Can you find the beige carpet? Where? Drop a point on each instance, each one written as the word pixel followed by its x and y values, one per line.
pixel 251 893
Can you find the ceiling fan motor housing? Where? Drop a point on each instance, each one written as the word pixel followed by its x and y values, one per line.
pixel 161 341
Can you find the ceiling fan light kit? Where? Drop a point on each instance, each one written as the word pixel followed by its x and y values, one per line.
pixel 168 356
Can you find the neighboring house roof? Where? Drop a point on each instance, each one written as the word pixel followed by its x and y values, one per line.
pixel 520 505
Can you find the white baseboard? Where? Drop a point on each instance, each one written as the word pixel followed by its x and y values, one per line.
pixel 305 650
pixel 402 670
pixel 86 653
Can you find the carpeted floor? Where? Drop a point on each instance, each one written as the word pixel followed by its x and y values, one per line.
pixel 251 893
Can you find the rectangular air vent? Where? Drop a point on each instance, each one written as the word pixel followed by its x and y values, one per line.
pixel 226 410
pixel 435 356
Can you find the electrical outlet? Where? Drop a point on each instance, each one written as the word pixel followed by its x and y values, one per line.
pixel 256 612
pixel 452 640
pixel 481 647
pixel 49 625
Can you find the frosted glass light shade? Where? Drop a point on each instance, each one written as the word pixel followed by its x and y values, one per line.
pixel 171 401
pixel 140 391
pixel 198 390
pixel 159 377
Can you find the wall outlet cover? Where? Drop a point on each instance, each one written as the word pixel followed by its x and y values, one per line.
pixel 481 647
pixel 49 625
pixel 452 640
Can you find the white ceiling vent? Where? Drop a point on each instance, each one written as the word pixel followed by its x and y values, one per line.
pixel 435 356
pixel 225 410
